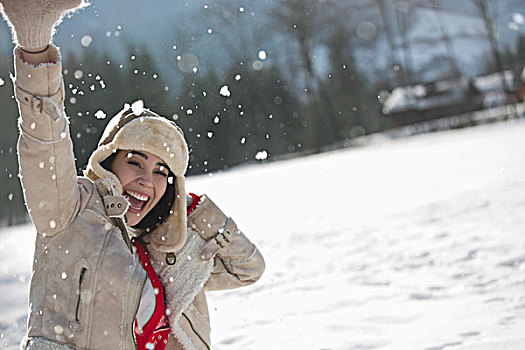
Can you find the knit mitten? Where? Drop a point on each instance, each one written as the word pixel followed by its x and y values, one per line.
pixel 33 21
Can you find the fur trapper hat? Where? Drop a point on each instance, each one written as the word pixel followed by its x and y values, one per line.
pixel 137 128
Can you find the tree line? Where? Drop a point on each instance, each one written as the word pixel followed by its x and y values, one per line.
pixel 315 96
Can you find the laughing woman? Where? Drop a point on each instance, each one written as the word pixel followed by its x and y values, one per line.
pixel 123 255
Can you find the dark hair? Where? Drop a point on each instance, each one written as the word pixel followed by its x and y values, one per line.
pixel 161 210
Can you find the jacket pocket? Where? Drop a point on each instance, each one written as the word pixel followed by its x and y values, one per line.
pixel 80 280
pixel 79 300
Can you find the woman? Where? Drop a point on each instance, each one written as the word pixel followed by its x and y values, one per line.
pixel 123 256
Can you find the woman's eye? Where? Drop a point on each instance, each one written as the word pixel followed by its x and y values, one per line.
pixel 161 173
pixel 132 162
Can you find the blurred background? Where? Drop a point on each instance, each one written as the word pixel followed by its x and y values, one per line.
pixel 255 82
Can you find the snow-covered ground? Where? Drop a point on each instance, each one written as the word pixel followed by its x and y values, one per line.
pixel 415 243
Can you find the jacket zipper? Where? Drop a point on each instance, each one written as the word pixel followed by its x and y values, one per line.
pixel 81 278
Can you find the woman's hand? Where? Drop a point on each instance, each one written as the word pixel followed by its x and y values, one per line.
pixel 33 21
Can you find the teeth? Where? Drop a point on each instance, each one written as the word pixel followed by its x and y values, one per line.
pixel 136 208
pixel 138 196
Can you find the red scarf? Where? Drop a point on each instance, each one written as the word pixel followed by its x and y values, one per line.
pixel 194 203
pixel 155 333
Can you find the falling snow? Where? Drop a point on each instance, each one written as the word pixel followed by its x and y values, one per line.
pixel 518 18
pixel 257 65
pixel 429 259
pixel 78 74
pixel 86 40
pixel 261 155
pixel 224 91
pixel 137 107
pixel 187 62
pixel 100 114
pixel 59 329
pixel 366 30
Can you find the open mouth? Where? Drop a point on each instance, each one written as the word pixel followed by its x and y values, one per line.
pixel 137 201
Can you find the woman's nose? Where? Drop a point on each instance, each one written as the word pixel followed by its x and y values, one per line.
pixel 145 179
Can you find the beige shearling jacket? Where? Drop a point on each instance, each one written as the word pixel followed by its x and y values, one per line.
pixel 86 283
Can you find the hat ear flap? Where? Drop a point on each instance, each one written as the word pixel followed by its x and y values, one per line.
pixel 171 235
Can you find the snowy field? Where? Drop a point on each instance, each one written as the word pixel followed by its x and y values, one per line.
pixel 415 243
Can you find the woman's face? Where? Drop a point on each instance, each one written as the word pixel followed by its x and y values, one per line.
pixel 144 178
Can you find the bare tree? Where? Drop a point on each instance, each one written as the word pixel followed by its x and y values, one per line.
pixel 490 27
pixel 447 40
pixel 303 22
pixel 385 15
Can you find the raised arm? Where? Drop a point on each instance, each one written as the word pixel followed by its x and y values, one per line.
pixel 45 151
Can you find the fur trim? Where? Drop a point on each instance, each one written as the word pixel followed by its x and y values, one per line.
pixel 182 281
pixel 108 185
pixel 182 337
pixel 142 130
pixel 152 134
pixel 38 343
pixel 171 235
pixel 55 57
